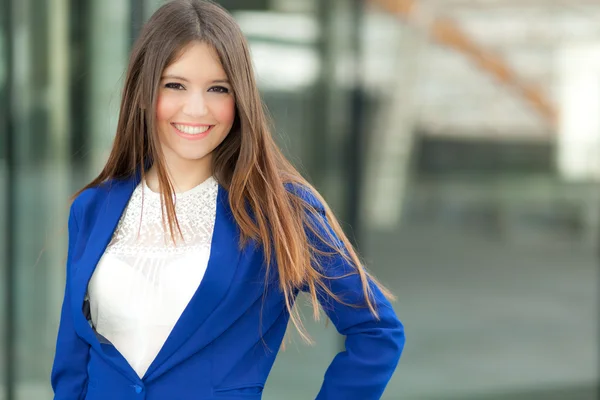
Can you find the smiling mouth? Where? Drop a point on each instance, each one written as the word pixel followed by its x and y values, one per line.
pixel 192 130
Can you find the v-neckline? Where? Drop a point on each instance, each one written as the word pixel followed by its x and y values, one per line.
pixel 222 264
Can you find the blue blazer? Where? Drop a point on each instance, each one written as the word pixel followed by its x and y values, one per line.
pixel 225 342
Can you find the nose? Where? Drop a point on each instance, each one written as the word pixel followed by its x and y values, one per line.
pixel 195 105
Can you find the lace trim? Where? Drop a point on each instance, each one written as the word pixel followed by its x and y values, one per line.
pixel 141 232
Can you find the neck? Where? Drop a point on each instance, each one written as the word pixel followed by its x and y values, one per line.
pixel 184 175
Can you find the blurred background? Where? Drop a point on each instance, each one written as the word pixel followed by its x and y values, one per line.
pixel 458 140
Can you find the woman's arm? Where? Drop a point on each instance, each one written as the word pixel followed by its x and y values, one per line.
pixel 69 372
pixel 373 345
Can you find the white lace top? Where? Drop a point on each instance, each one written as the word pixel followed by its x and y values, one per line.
pixel 144 281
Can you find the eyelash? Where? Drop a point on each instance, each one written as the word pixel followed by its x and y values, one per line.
pixel 220 89
pixel 179 86
pixel 176 86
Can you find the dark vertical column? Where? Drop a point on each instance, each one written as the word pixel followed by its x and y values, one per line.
pixel 36 149
pixel 137 19
pixel 8 191
pixel 319 137
pixel 355 160
pixel 79 55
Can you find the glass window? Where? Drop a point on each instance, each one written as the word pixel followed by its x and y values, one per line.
pixel 40 104
pixel 52 134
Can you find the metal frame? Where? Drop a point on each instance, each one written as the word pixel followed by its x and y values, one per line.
pixel 10 222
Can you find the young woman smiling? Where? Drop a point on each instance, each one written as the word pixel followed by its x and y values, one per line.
pixel 188 250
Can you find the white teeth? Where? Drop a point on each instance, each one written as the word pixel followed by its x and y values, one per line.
pixel 192 130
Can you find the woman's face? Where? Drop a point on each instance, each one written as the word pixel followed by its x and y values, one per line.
pixel 195 108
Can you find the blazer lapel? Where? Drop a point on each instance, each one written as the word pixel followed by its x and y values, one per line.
pixel 222 265
pixel 107 218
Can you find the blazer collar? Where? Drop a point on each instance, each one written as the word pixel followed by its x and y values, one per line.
pixel 222 265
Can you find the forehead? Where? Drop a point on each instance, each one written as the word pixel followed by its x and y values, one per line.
pixel 197 60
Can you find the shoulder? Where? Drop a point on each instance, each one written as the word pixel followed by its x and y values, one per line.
pixel 321 227
pixel 308 195
pixel 89 199
pixel 316 213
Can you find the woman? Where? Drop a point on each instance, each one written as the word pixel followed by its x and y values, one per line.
pixel 187 252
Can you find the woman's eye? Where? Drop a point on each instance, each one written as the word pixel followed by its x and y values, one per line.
pixel 219 89
pixel 176 86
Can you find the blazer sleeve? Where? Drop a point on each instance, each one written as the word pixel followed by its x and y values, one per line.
pixel 372 345
pixel 69 372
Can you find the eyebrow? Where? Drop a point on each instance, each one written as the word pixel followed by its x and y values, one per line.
pixel 187 80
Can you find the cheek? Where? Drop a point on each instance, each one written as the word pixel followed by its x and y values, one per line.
pixel 224 112
pixel 165 108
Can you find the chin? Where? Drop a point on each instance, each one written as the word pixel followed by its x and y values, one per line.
pixel 193 157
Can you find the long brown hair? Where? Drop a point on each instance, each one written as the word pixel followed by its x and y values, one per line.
pixel 248 163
